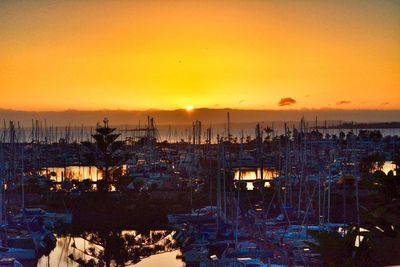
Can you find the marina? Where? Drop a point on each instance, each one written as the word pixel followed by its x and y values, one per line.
pixel 229 202
pixel 199 133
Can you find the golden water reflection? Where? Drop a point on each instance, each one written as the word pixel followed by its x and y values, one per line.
pixel 389 166
pixel 79 173
pixel 250 175
pixel 66 246
pixel 78 247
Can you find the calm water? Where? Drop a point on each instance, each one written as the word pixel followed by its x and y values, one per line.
pixel 59 255
pixel 79 173
pixel 64 248
pixel 165 132
pixel 389 166
pixel 250 175
pixel 74 173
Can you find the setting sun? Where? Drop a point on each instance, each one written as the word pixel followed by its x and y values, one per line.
pixel 190 105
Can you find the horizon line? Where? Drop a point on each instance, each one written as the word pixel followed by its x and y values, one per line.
pixel 197 109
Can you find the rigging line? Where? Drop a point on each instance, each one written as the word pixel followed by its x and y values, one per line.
pixel 252 207
pixel 270 204
pixel 310 204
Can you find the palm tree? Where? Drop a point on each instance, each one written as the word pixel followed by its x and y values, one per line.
pixel 335 249
pixel 378 235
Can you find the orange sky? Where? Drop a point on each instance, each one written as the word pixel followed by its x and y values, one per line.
pixel 172 54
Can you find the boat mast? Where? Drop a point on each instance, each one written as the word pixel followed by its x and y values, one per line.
pixel 229 128
pixel 219 204
pixel 286 166
pixel 22 178
pixel 239 188
pixel 224 180
pixel 354 176
pixel 303 150
pixel 259 150
pixel 329 194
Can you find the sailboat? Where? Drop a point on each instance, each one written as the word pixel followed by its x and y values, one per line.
pixel 18 242
pixel 6 251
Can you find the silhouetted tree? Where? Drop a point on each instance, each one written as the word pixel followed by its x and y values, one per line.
pixel 104 152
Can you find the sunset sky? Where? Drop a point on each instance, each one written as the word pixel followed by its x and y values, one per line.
pixel 88 55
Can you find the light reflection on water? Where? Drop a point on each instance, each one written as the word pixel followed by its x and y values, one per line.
pixel 79 173
pixel 250 175
pixel 74 173
pixel 389 166
pixel 64 248
pixel 59 255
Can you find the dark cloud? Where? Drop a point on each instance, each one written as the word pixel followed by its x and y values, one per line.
pixel 241 101
pixel 385 103
pixel 287 101
pixel 343 102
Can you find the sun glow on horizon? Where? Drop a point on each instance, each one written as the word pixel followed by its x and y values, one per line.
pixel 189 108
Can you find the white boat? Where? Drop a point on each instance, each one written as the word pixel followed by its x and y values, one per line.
pixel 48 217
pixel 205 213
